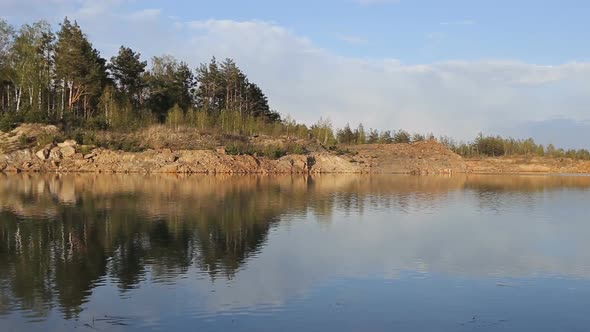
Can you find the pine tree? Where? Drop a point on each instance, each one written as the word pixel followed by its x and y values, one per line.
pixel 80 69
pixel 127 71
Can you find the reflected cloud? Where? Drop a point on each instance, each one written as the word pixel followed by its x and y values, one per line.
pixel 247 241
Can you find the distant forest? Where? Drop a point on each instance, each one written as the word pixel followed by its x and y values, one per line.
pixel 60 78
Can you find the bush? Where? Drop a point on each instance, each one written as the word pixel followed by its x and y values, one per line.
pixel 35 117
pixel 274 152
pixel 97 123
pixel 239 148
pixel 9 121
pixel 341 152
pixel 84 137
pixel 45 139
pixel 127 145
pixel 402 136
pixel 294 148
pixel 24 140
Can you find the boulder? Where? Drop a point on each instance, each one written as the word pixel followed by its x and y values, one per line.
pixel 67 143
pixel 11 169
pixel 42 154
pixel 67 151
pixel 55 154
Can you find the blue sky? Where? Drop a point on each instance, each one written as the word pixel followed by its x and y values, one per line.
pixel 450 67
pixel 417 31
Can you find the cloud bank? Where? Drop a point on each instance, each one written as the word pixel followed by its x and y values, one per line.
pixel 456 98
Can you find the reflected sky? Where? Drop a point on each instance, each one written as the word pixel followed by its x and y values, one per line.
pixel 350 253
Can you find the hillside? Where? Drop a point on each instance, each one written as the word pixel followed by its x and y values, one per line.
pixel 25 149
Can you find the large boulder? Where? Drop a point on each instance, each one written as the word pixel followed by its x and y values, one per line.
pixel 43 154
pixel 67 143
pixel 55 153
pixel 67 151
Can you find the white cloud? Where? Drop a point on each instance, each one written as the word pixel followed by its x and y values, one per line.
pixel 458 98
pixel 145 14
pixel 354 40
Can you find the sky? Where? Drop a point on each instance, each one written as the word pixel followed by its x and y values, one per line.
pixel 448 67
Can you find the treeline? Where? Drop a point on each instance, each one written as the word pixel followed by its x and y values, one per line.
pixel 497 146
pixel 347 135
pixel 61 78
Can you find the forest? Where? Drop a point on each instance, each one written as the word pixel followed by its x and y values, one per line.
pixel 60 78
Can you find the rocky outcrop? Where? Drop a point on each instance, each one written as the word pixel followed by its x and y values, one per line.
pixel 71 157
pixel 528 165
pixel 426 157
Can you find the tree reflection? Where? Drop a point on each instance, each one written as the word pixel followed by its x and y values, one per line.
pixel 62 236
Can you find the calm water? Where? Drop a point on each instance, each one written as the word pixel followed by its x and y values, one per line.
pixel 330 253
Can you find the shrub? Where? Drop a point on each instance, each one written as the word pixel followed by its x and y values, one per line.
pixel 294 148
pixel 239 148
pixel 274 152
pixel 341 152
pixel 402 136
pixel 9 121
pixel 24 140
pixel 47 138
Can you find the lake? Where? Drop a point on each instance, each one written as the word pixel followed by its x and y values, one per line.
pixel 294 253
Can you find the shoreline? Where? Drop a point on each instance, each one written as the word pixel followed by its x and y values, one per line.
pixel 166 161
pixel 418 158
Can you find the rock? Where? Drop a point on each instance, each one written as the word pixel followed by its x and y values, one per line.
pixel 42 154
pixel 55 164
pixel 89 156
pixel 55 154
pixel 168 169
pixel 12 169
pixel 220 150
pixel 68 151
pixel 27 165
pixel 78 156
pixel 3 166
pixel 67 143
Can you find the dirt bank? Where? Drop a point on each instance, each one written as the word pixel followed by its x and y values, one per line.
pixel 23 150
pixel 528 165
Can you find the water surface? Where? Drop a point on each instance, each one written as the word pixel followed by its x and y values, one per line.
pixel 294 253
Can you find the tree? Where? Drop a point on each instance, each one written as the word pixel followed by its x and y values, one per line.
pixel 79 68
pixel 29 69
pixel 360 135
pixel 402 136
pixel 345 135
pixel 226 88
pixel 385 137
pixel 169 82
pixel 127 71
pixel 6 39
pixel 373 136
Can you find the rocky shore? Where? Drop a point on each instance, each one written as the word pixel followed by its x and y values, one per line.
pixel 426 157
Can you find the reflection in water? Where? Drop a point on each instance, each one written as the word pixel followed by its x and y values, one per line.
pixel 64 236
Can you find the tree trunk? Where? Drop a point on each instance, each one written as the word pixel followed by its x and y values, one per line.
pixel 7 96
pixel 18 93
pixel 71 85
pixel 63 97
pixel 39 101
